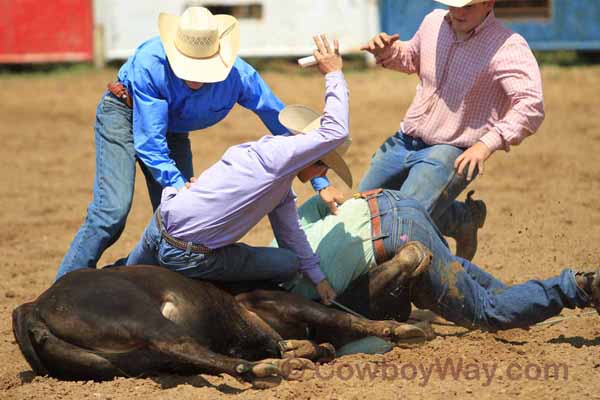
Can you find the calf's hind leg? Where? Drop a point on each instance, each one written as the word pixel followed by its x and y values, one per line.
pixel 286 311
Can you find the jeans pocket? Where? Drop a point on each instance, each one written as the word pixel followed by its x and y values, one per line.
pixel 179 260
pixel 114 117
pixel 395 195
pixel 413 230
pixel 110 102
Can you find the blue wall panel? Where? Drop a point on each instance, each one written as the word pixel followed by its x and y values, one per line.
pixel 574 24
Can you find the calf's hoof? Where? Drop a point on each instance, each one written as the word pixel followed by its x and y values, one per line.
pixel 324 352
pixel 269 372
pixel 404 334
pixel 261 374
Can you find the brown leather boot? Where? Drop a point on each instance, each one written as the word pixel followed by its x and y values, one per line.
pixel 589 282
pixel 596 291
pixel 466 237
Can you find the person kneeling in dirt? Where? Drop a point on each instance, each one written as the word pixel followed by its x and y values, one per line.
pixel 369 229
pixel 194 231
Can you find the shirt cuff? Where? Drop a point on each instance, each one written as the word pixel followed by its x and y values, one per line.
pixel 494 141
pixel 178 184
pixel 314 274
pixel 335 75
pixel 319 183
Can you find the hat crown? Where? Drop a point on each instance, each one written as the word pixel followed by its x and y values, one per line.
pixel 197 33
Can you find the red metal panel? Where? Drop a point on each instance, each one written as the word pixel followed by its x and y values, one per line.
pixel 45 31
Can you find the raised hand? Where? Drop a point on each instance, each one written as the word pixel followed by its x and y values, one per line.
pixel 328 59
pixel 383 46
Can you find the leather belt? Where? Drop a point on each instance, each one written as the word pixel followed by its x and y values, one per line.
pixel 376 236
pixel 120 92
pixel 180 244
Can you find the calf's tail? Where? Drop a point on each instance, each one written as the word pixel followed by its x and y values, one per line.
pixel 29 329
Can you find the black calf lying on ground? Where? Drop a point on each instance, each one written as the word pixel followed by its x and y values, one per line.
pixel 144 320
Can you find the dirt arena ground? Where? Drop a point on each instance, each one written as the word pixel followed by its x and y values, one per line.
pixel 544 214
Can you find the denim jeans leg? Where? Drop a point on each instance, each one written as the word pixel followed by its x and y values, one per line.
pixel 523 305
pixel 425 173
pixel 483 278
pixel 235 262
pixel 463 293
pixel 146 251
pixel 397 212
pixel 444 287
pixel 433 182
pixel 240 262
pixel 113 187
pixel 432 179
pixel 180 151
pixel 388 169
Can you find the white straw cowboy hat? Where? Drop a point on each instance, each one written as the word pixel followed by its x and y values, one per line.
pixel 200 47
pixel 302 119
pixel 460 3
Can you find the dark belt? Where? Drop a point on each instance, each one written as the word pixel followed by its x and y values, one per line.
pixel 121 93
pixel 376 236
pixel 180 244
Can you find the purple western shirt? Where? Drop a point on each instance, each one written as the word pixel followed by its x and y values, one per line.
pixel 254 179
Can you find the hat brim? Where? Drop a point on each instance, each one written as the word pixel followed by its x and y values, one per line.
pixel 207 70
pixel 300 119
pixel 335 162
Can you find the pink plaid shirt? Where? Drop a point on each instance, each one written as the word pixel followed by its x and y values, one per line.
pixel 485 88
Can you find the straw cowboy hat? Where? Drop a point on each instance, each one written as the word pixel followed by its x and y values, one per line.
pixel 200 47
pixel 460 3
pixel 301 119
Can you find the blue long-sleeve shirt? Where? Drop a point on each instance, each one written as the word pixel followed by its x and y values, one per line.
pixel 163 103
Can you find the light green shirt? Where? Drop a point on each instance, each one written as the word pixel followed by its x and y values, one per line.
pixel 343 243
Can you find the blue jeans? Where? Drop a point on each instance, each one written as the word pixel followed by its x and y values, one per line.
pixel 232 263
pixel 422 172
pixel 114 183
pixel 462 292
